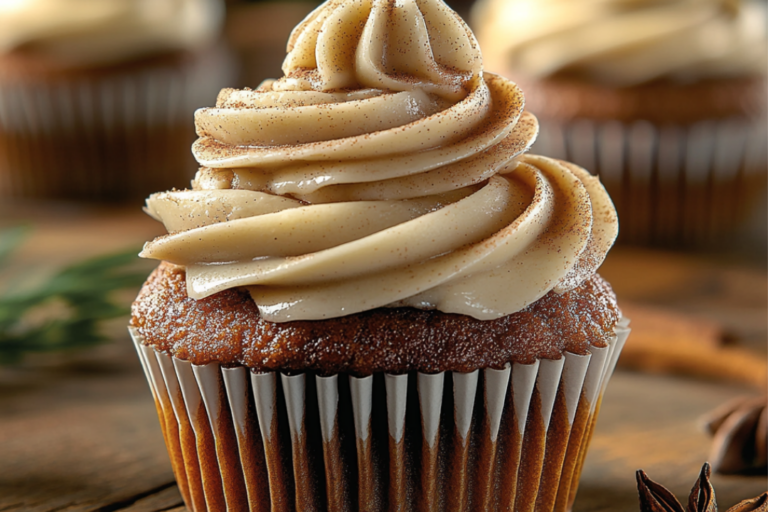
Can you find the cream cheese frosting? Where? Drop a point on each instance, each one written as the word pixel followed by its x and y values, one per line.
pixel 384 169
pixel 96 32
pixel 624 42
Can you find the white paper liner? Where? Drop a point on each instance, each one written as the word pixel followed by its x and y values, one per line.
pixel 510 439
pixel 105 135
pixel 673 185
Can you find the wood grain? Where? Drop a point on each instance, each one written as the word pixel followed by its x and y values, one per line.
pixel 79 432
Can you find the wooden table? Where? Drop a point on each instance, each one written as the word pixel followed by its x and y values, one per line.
pixel 79 431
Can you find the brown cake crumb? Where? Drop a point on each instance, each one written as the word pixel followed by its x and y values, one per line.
pixel 228 329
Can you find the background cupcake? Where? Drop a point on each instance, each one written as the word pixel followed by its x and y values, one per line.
pixel 95 96
pixel 371 299
pixel 664 100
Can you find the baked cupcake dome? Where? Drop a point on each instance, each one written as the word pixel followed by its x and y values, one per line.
pixel 391 340
pixel 372 298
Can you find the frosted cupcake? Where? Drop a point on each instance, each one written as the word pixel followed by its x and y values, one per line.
pixel 95 96
pixel 665 100
pixel 372 299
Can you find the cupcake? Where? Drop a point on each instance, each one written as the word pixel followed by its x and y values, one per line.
pixel 95 96
pixel 372 298
pixel 666 100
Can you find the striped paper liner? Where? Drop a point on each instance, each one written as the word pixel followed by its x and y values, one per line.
pixel 106 136
pixel 509 439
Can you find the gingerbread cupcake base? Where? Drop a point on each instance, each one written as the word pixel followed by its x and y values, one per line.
pixel 513 438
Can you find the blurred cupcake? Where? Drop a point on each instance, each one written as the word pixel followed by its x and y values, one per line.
pixel 665 100
pixel 95 96
pixel 372 299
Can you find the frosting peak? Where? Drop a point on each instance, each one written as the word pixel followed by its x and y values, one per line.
pixel 399 45
pixel 384 169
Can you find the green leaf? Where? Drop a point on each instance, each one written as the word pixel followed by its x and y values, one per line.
pixel 10 239
pixel 83 291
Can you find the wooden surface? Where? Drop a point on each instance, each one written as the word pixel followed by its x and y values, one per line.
pixel 79 431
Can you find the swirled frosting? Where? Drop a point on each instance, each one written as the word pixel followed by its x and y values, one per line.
pixel 95 32
pixel 385 168
pixel 624 42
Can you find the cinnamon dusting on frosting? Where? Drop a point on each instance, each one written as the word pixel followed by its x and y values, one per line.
pixel 388 169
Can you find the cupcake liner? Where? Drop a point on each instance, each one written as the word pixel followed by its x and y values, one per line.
pixel 673 185
pixel 508 439
pixel 104 135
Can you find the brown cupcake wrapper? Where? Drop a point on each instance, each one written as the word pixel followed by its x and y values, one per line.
pixel 510 439
pixel 103 136
pixel 673 185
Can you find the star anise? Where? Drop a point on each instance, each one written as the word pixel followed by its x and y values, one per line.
pixel 740 436
pixel 759 504
pixel 655 497
pixel 702 497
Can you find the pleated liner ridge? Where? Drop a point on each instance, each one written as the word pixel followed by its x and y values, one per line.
pixel 512 439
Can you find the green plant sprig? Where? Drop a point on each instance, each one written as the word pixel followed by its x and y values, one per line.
pixel 87 292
